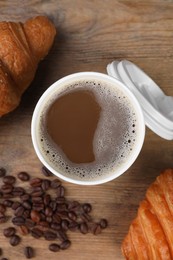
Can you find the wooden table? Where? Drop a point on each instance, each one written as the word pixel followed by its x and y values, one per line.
pixel 91 34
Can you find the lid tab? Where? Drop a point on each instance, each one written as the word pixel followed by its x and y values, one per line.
pixel 156 106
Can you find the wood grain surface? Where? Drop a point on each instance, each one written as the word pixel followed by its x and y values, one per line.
pixel 91 34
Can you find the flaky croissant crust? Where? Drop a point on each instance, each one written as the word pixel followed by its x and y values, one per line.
pixel 150 235
pixel 22 46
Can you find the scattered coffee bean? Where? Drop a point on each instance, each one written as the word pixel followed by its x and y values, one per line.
pixel 54 247
pixel 23 230
pixel 87 207
pixel 37 233
pixel 65 244
pixel 14 240
pixel 25 197
pixel 15 205
pixel 46 172
pixel 18 221
pixel 8 203
pixel 96 229
pixel 9 179
pixel 84 228
pixel 29 252
pixel 19 211
pixel 35 216
pixel 35 182
pixel 43 215
pixel 23 176
pixel 18 191
pixel 45 185
pixel 10 231
pixel 3 219
pixel 2 208
pixel 7 188
pixel 2 172
pixel 49 235
pixel 103 223
pixel 65 224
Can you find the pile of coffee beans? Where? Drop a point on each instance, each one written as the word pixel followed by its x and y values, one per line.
pixel 43 211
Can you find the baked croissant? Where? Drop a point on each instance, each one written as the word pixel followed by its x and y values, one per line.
pixel 22 46
pixel 150 235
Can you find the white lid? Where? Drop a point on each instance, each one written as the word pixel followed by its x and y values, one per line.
pixel 156 106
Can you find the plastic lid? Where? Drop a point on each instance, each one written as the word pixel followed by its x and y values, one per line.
pixel 157 107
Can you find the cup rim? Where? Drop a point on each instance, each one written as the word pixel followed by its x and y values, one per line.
pixel 77 76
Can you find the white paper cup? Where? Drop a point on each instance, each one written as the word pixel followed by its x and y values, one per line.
pixel 42 105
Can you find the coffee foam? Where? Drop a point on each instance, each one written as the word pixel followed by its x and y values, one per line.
pixel 115 136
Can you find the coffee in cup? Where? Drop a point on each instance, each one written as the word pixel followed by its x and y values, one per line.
pixel 88 128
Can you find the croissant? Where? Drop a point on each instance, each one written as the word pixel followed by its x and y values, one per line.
pixel 150 236
pixel 22 46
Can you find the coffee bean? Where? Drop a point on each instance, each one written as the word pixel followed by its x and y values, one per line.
pixel 37 233
pixel 37 199
pixel 45 185
pixel 35 216
pixel 29 223
pixel 23 230
pixel 54 247
pixel 8 203
pixel 73 226
pixel 49 235
pixel 61 235
pixel 18 191
pixel 96 229
pixel 72 215
pixel 53 205
pixel 26 213
pixel 8 196
pixel 18 221
pixel 3 219
pixel 29 252
pixel 38 206
pixel 2 172
pixel 7 188
pixel 84 228
pixel 46 172
pixel 65 244
pixel 2 208
pixel 1 194
pixel 44 224
pixel 19 211
pixel 15 205
pixel 8 232
pixel 61 207
pixel 14 240
pixel 27 205
pixel 55 183
pixel 35 182
pixel 65 224
pixel 55 226
pixel 25 197
pixel 103 223
pixel 37 193
pixel 74 206
pixel 48 211
pixel 46 199
pixel 23 176
pixel 60 191
pixel 9 179
pixel 56 218
pixel 49 219
pixel 86 207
